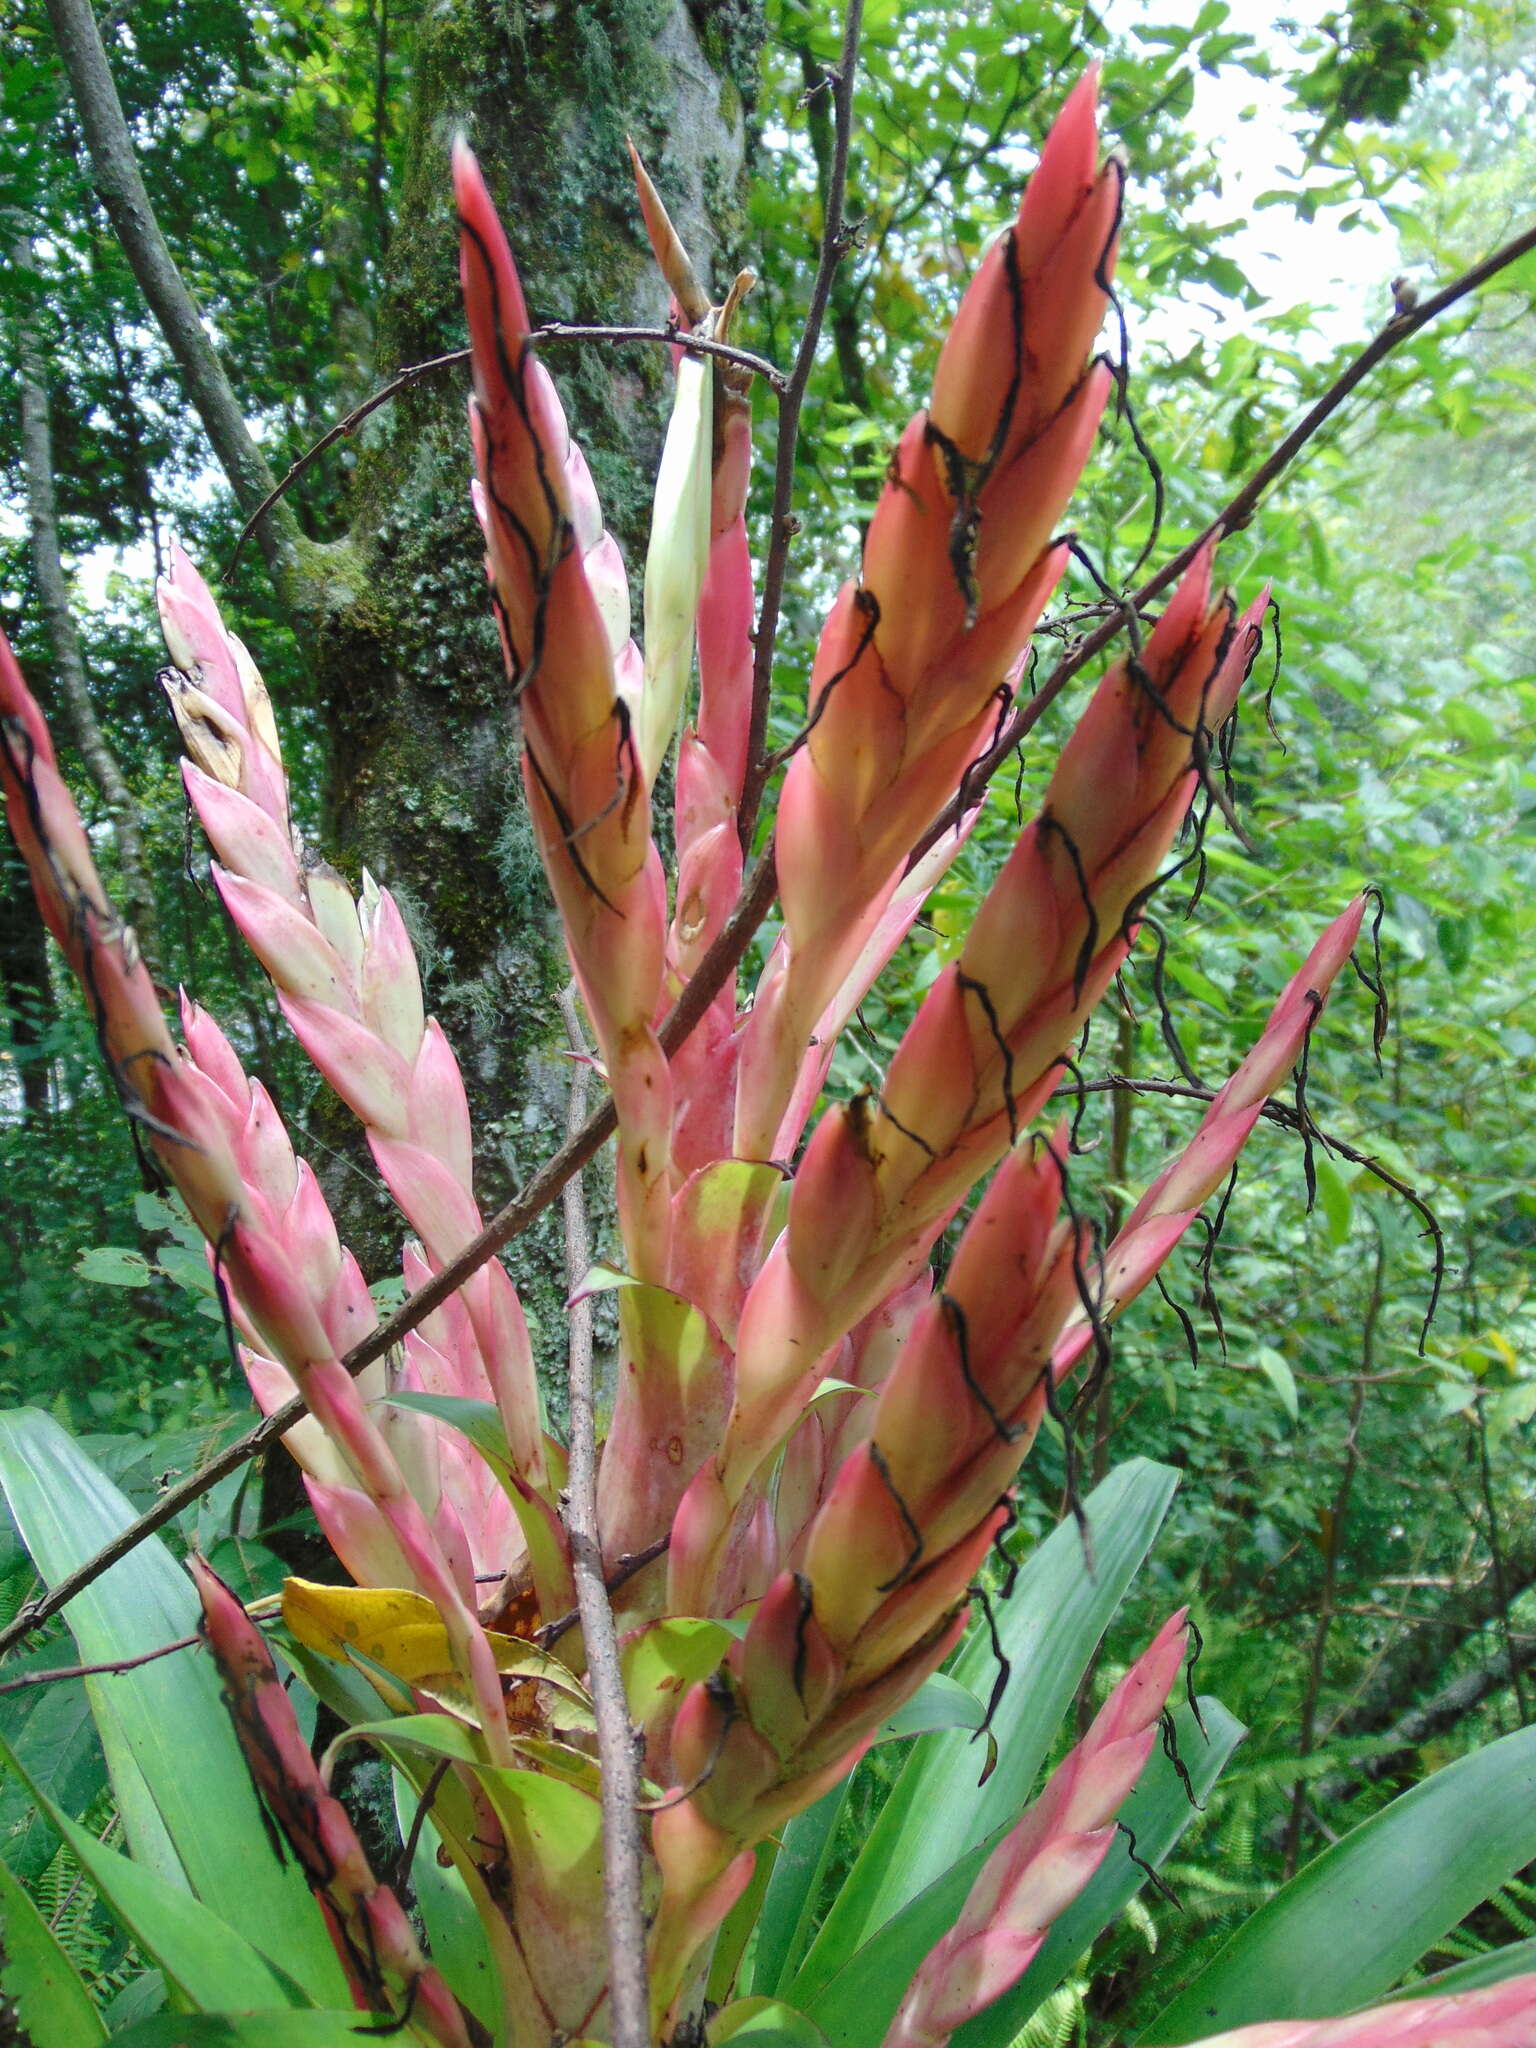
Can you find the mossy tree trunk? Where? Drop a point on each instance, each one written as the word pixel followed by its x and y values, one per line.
pixel 424 788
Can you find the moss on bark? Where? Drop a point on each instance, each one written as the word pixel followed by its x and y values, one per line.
pixel 424 787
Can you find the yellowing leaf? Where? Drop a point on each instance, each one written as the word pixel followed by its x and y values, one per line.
pixel 332 1620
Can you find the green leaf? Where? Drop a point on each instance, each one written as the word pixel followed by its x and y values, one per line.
pixel 662 1659
pixel 455 1934
pixel 253 2030
pixel 828 1388
pixel 787 1922
pixel 601 1279
pixel 766 2023
pixel 1333 1193
pixel 940 1702
pixel 109 1265
pixel 1157 1813
pixel 139 1998
pixel 188 1806
pixel 936 1811
pixel 855 2008
pixel 1346 1928
pixel 50 1728
pixel 189 1270
pixel 1476 1974
pixel 478 1420
pixel 208 1961
pixel 154 1212
pixel 1280 1377
pixel 52 2005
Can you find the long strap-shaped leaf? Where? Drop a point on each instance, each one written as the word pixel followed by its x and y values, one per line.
pixel 1345 1929
pixel 51 2003
pixel 209 1963
pixel 175 1763
pixel 855 2009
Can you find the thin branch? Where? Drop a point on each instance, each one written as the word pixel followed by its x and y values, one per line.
pixel 671 337
pixel 633 1561
pixel 110 1670
pixel 623 1902
pixel 782 526
pixel 728 949
pixel 347 424
pixel 552 330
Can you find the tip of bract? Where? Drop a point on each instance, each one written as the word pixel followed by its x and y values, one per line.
pixel 18 703
pixel 1190 602
pixel 493 292
pixel 1070 158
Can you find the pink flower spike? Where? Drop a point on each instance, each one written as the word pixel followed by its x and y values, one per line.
pixel 1047 1857
pixel 373 1937
pixel 1172 1202
pixel 1501 2016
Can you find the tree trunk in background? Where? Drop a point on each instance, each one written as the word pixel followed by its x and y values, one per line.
pixel 393 619
pixel 424 789
pixel 137 892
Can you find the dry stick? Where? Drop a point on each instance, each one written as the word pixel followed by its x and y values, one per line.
pixel 98 1670
pixel 726 953
pixel 623 1907
pixel 346 425
pixel 782 527
pixel 552 330
pixel 674 337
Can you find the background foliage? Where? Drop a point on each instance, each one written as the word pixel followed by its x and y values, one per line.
pixel 1354 1527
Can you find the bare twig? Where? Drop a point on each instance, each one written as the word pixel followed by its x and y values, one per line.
pixel 726 953
pixel 552 330
pixel 623 1905
pixel 109 1670
pixel 782 526
pixel 672 337
pixel 348 424
pixel 626 1568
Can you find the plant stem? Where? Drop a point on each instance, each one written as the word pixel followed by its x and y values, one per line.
pixel 623 1909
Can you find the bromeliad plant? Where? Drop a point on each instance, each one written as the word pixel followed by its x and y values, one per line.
pixel 621 1700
